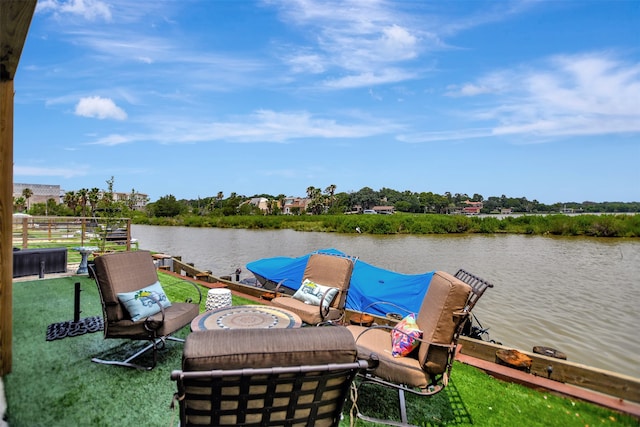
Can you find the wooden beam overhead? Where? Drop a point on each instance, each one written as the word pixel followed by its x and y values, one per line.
pixel 15 18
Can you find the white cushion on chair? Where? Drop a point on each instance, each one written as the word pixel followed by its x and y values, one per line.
pixel 144 302
pixel 312 293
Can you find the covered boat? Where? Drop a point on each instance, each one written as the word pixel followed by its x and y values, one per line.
pixel 369 283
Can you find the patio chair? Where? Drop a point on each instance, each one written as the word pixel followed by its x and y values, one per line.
pixel 425 370
pixel 265 377
pixel 135 307
pixel 323 292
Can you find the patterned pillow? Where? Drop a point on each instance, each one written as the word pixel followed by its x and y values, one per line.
pixel 312 293
pixel 141 303
pixel 404 337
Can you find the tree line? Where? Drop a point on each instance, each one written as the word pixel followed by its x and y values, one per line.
pixel 83 202
pixel 328 201
pixel 90 202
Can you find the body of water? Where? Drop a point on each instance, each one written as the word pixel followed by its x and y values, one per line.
pixel 578 295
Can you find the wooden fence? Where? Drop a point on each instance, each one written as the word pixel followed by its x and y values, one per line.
pixel 43 231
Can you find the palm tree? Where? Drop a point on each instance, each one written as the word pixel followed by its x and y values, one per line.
pixel 330 190
pixel 316 205
pixel 83 198
pixel 281 199
pixel 71 199
pixel 19 203
pixel 94 198
pixel 311 191
pixel 27 193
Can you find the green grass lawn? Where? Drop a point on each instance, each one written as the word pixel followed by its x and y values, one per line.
pixel 54 383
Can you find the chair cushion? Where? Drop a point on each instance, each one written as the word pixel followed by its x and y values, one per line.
pixel 446 295
pixel 399 370
pixel 405 336
pixel 144 302
pixel 266 348
pixel 313 293
pixel 330 270
pixel 309 314
pixel 123 272
pixel 177 316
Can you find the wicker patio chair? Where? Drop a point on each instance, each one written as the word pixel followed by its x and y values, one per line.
pixel 327 276
pixel 266 377
pixel 126 278
pixel 426 370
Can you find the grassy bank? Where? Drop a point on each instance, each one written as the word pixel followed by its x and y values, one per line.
pixel 400 223
pixel 54 383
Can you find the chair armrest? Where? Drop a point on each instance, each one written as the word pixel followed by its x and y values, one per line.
pixel 179 281
pixel 373 327
pixel 324 311
pixel 195 285
pixel 152 325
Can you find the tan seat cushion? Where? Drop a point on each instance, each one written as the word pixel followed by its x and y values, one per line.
pixel 266 348
pixel 177 316
pixel 399 370
pixel 308 313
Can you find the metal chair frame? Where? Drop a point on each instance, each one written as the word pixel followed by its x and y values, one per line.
pixel 266 396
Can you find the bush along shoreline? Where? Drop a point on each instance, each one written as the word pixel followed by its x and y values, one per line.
pixel 605 225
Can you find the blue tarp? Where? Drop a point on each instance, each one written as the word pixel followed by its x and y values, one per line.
pixel 369 284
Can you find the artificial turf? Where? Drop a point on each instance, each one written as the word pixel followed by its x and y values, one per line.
pixel 54 383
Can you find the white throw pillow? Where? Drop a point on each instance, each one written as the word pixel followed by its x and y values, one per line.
pixel 312 293
pixel 142 303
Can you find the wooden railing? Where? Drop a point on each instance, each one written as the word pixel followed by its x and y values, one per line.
pixel 105 233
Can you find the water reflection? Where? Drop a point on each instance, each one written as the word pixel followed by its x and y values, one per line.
pixel 578 295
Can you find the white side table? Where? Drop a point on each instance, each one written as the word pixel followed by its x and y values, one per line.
pixel 218 298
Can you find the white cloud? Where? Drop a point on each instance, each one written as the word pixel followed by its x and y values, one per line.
pixel 492 83
pixel 115 139
pixel 307 63
pixel 273 126
pixel 578 95
pixel 588 94
pixel 369 78
pixel 260 126
pixel 367 39
pixel 397 42
pixel 90 10
pixel 100 108
pixel 449 135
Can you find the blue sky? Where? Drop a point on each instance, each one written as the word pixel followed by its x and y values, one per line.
pixel 535 99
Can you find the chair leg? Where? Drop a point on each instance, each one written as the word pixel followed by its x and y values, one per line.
pixel 403 406
pixel 154 345
pixel 403 409
pixel 127 362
